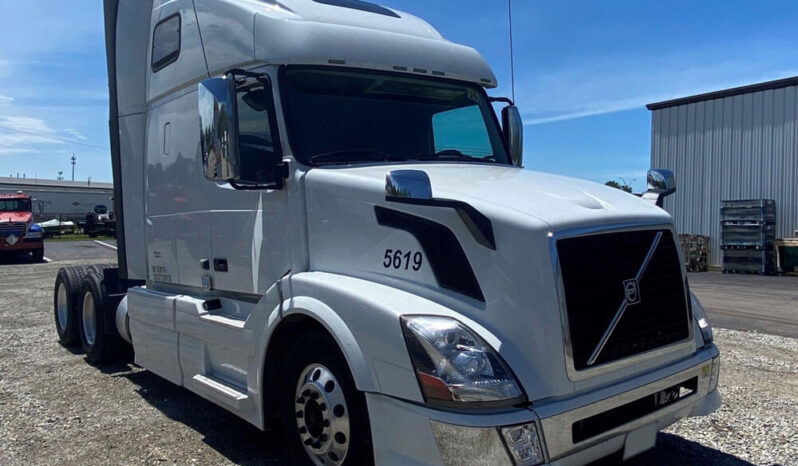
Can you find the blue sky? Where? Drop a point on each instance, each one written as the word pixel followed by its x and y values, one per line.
pixel 584 72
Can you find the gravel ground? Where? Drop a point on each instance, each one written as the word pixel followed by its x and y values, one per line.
pixel 758 419
pixel 56 409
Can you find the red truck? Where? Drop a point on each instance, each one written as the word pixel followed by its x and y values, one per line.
pixel 18 233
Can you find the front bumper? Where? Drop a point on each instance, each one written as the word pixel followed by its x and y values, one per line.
pixel 23 245
pixel 408 434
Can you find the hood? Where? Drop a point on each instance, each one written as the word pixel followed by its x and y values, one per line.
pixel 558 201
pixel 14 217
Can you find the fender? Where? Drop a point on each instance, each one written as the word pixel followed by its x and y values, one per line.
pixel 364 319
pixel 323 314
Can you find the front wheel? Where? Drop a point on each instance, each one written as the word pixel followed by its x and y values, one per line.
pixel 325 417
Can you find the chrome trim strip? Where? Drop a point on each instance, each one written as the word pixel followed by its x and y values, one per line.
pixel 625 303
pixel 685 347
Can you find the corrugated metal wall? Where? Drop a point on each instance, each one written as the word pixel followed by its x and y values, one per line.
pixel 738 147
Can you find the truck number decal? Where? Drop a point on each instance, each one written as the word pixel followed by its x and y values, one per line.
pixel 403 260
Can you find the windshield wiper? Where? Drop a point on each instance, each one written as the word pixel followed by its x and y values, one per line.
pixel 352 155
pixel 453 154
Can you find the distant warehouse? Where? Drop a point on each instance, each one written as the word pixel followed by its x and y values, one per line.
pixel 740 143
pixel 64 200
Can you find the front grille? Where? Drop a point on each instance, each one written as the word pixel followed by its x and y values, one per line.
pixel 12 228
pixel 596 273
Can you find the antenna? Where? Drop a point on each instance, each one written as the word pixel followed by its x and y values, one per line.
pixel 73 159
pixel 512 58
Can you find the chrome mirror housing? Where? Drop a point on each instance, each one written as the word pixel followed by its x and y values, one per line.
pixel 513 127
pixel 408 184
pixel 661 180
pixel 661 184
pixel 218 133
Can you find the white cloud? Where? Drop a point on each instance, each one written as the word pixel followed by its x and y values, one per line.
pixel 18 134
pixel 24 123
pixel 625 82
pixel 4 99
pixel 14 150
pixel 77 135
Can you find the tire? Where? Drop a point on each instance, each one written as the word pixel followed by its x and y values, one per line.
pixel 38 255
pixel 99 269
pixel 93 304
pixel 66 294
pixel 334 420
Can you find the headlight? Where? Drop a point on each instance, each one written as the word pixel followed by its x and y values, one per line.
pixel 454 365
pixel 35 232
pixel 700 315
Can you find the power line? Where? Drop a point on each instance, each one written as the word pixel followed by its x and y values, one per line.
pixel 54 138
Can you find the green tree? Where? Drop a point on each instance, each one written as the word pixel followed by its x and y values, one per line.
pixel 616 185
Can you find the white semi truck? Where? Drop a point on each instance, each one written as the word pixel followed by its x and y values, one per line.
pixel 322 222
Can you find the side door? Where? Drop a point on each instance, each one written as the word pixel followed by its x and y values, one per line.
pixel 250 230
pixel 249 250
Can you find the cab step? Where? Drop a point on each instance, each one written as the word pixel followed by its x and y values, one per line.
pixel 217 390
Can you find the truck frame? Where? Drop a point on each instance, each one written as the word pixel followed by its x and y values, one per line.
pixel 347 245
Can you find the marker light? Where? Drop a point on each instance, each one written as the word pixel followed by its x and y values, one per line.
pixel 700 315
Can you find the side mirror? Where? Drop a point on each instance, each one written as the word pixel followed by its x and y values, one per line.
pixel 238 131
pixel 218 126
pixel 513 127
pixel 661 184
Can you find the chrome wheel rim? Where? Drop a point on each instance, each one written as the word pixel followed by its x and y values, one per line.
pixel 322 416
pixel 62 307
pixel 89 323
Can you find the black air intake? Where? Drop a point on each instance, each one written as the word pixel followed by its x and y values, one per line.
pixel 634 274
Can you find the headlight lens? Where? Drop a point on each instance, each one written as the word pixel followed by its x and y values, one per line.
pixel 701 317
pixel 454 365
pixel 35 232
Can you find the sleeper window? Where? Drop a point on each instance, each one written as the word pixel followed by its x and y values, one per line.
pixel 166 42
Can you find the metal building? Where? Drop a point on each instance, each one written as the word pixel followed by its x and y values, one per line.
pixel 739 143
pixel 64 200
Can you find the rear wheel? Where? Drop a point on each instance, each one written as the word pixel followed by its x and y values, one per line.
pixel 325 417
pixel 100 345
pixel 99 269
pixel 66 304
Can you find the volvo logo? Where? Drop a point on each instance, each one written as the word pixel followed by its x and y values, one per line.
pixel 631 289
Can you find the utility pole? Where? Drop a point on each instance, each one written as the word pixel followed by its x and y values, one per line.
pixel 73 166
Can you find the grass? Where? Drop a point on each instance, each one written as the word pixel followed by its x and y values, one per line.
pixel 77 237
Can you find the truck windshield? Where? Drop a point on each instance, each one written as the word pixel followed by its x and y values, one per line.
pixel 339 116
pixel 14 205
